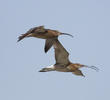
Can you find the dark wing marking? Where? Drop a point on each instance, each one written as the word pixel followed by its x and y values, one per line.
pixel 61 55
pixel 48 44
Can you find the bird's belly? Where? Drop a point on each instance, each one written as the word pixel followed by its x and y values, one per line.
pixel 62 69
pixel 44 36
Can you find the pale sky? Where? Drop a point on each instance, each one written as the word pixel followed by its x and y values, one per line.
pixel 87 20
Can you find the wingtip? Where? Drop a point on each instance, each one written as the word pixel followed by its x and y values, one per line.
pixel 48 45
pixel 46 50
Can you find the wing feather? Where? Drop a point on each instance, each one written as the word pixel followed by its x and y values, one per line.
pixel 61 54
pixel 48 44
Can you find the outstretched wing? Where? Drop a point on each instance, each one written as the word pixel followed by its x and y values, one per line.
pixel 48 44
pixel 61 55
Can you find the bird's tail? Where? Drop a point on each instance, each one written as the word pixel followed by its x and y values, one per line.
pixel 47 69
pixel 22 36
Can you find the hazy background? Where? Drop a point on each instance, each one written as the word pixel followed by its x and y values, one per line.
pixel 87 20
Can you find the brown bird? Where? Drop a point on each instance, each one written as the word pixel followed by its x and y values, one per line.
pixel 41 32
pixel 62 62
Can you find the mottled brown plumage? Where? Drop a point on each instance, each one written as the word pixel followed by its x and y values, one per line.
pixel 62 61
pixel 41 32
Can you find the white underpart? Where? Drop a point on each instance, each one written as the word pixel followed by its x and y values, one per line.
pixel 51 66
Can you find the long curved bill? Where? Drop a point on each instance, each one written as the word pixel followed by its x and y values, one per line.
pixel 92 67
pixel 67 34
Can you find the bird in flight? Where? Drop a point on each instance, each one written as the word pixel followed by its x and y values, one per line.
pixel 41 32
pixel 62 61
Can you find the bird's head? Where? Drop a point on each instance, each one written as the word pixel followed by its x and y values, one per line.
pixel 77 65
pixel 92 67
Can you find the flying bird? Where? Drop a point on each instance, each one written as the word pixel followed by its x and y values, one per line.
pixel 62 61
pixel 41 32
